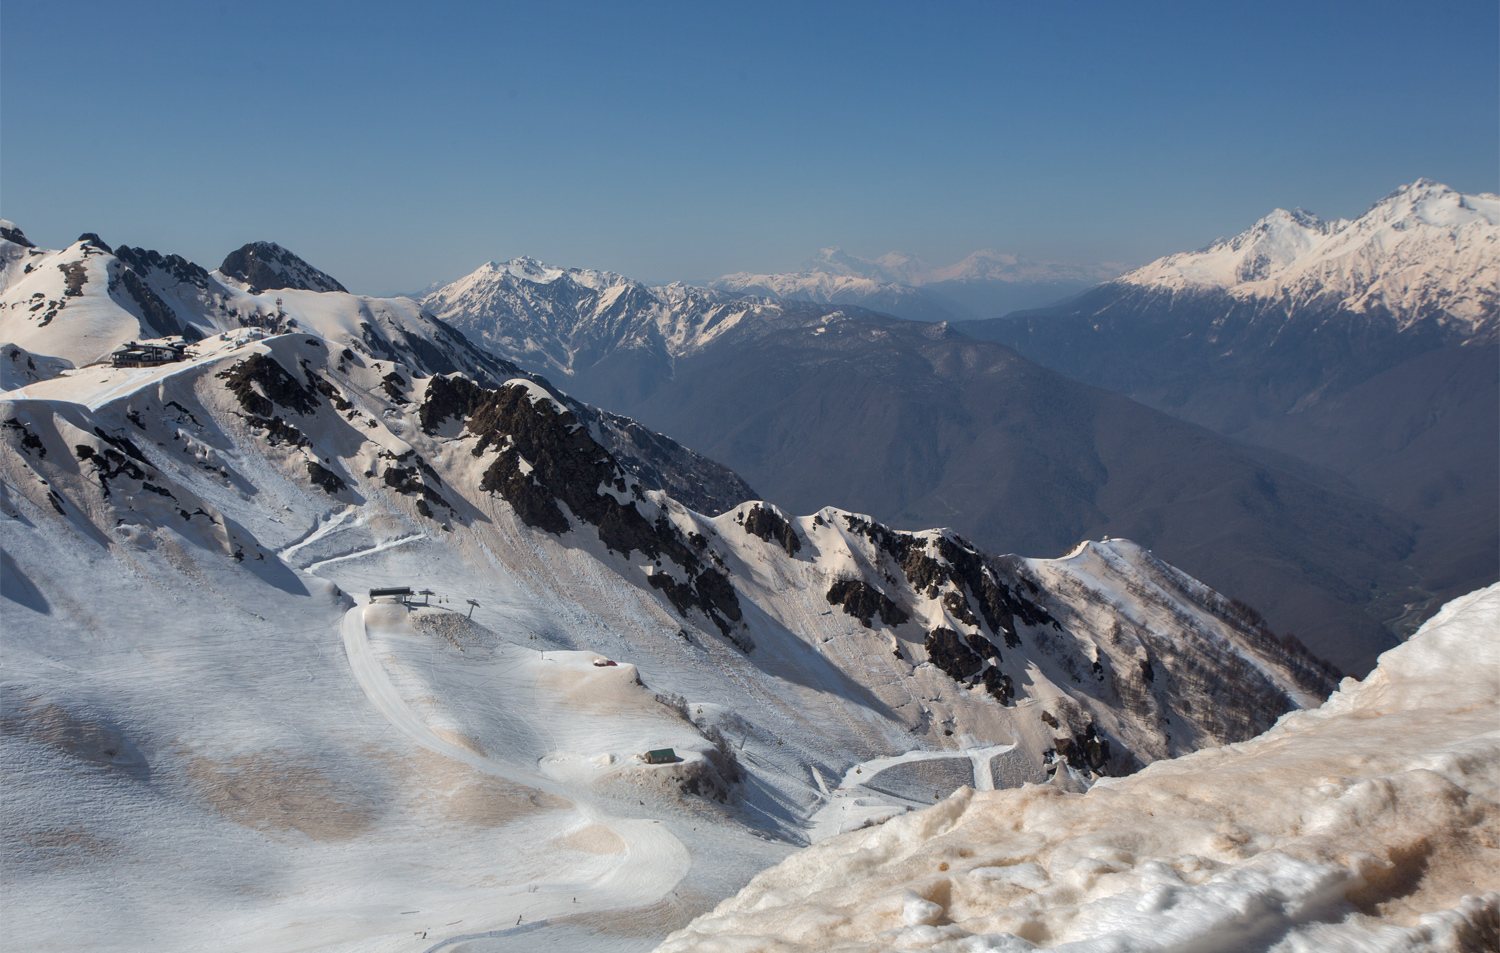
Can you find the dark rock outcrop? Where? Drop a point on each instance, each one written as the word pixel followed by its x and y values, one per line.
pixel 993 586
pixel 15 236
pixel 90 240
pixel 948 651
pixel 260 383
pixel 765 522
pixel 266 266
pixel 325 478
pixel 864 602
pixel 1087 749
pixel 655 461
pixel 158 316
pixel 144 261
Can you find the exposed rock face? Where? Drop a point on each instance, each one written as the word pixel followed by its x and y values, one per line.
pixel 547 460
pixel 659 462
pixel 14 235
pixel 1085 750
pixel 769 525
pixel 864 602
pixel 90 240
pixel 266 266
pixel 967 569
pixel 144 260
pixel 325 478
pixel 155 312
pixel 260 382
pixel 949 652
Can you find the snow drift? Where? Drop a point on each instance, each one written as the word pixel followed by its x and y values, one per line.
pixel 1370 823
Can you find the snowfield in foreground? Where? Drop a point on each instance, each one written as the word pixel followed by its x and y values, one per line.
pixel 1370 823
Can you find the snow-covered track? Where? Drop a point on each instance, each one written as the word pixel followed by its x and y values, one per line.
pixel 653 860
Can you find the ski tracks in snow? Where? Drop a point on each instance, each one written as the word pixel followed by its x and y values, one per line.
pixel 378 548
pixel 317 533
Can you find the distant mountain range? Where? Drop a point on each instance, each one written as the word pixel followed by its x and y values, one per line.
pixel 1290 311
pixel 985 284
pixel 1366 347
pixel 615 340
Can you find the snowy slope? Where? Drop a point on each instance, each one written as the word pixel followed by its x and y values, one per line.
pixel 80 303
pixel 1424 253
pixel 205 734
pixel 1369 824
pixel 71 308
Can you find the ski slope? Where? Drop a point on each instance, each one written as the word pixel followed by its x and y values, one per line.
pixel 650 860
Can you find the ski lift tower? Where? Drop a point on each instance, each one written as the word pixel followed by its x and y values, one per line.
pixel 472 606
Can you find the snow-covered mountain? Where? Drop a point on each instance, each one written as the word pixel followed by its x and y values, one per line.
pixel 1367 348
pixel 984 284
pixel 204 732
pixel 1423 254
pixel 616 340
pixel 80 303
pixel 561 318
pixel 72 308
pixel 613 339
pixel 1370 824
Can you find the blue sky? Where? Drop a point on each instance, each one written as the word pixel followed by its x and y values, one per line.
pixel 395 144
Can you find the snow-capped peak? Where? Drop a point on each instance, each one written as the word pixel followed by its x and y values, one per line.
pixel 1432 203
pixel 1425 250
pixel 835 261
pixel 75 306
pixel 525 267
pixel 536 271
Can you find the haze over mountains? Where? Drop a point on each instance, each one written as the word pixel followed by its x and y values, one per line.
pixel 199 716
pixel 985 284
